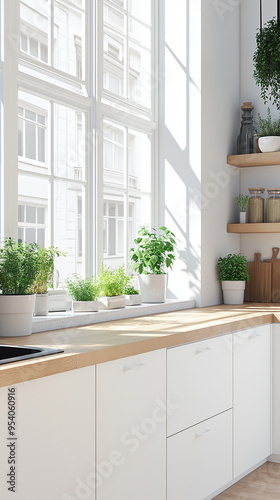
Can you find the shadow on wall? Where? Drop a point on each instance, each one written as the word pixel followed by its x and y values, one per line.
pixel 180 139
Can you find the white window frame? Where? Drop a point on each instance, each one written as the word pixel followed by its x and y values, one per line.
pixel 87 96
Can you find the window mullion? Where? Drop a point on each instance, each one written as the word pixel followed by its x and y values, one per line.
pixel 51 171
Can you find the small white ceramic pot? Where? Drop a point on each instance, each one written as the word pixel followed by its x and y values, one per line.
pixel 242 217
pixel 269 144
pixel 133 300
pixel 116 302
pixel 41 304
pixel 85 305
pixel 16 313
pixel 152 287
pixel 233 292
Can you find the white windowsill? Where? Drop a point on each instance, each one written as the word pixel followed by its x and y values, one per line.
pixel 68 319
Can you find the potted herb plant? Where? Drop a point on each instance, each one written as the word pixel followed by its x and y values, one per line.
pixel 242 203
pixel 111 285
pixel 152 256
pixel 233 273
pixel 268 130
pixel 44 278
pixel 132 296
pixel 267 62
pixel 19 266
pixel 84 292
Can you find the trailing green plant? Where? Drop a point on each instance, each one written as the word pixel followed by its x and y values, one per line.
pixel 44 278
pixel 233 267
pixel 19 266
pixel 153 253
pixel 130 290
pixel 242 202
pixel 267 62
pixel 82 289
pixel 112 282
pixel 267 126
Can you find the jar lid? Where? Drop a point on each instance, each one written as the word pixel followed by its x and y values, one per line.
pixel 273 190
pixel 256 190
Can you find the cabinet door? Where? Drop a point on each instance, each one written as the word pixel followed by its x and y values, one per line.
pixel 131 428
pixel 199 381
pixel 199 459
pixel 251 401
pixel 54 450
pixel 276 389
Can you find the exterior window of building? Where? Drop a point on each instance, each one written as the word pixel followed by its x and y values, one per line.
pixel 32 223
pixel 53 32
pixel 32 134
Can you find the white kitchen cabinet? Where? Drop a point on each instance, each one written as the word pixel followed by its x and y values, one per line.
pixel 276 390
pixel 55 437
pixel 199 381
pixel 251 397
pixel 199 459
pixel 131 428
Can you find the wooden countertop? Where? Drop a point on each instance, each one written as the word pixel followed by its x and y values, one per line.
pixel 89 345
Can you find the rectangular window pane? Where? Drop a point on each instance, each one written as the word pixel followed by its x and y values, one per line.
pixel 34 27
pixel 120 237
pixel 105 235
pixel 69 37
pixel 41 237
pixel 23 42
pixel 140 9
pixel 34 49
pixel 140 74
pixel 20 235
pixel 41 215
pixel 44 53
pixel 30 235
pixel 68 227
pixel 30 115
pixel 20 213
pixel 30 141
pixel 41 144
pixel 69 143
pixel 30 214
pixel 112 237
pixel 139 161
pixel 114 64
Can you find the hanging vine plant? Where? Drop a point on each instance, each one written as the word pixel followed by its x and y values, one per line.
pixel 267 62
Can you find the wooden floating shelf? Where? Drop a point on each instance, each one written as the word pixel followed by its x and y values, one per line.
pixel 266 227
pixel 254 160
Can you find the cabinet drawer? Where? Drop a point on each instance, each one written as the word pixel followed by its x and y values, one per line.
pixel 199 381
pixel 199 459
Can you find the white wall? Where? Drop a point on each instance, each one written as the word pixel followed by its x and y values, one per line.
pixel 260 176
pixel 220 126
pixel 198 126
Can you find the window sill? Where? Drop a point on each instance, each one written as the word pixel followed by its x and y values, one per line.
pixel 68 319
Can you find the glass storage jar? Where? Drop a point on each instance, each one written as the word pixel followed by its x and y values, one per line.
pixel 256 205
pixel 273 205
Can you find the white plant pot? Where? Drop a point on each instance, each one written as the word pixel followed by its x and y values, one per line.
pixel 269 144
pixel 16 312
pixel 85 305
pixel 116 302
pixel 153 287
pixel 233 292
pixel 242 217
pixel 41 304
pixel 133 300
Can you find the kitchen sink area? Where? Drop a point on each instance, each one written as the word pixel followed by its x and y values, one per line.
pixel 12 353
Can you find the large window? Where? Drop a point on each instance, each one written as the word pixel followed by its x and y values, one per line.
pixel 83 134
